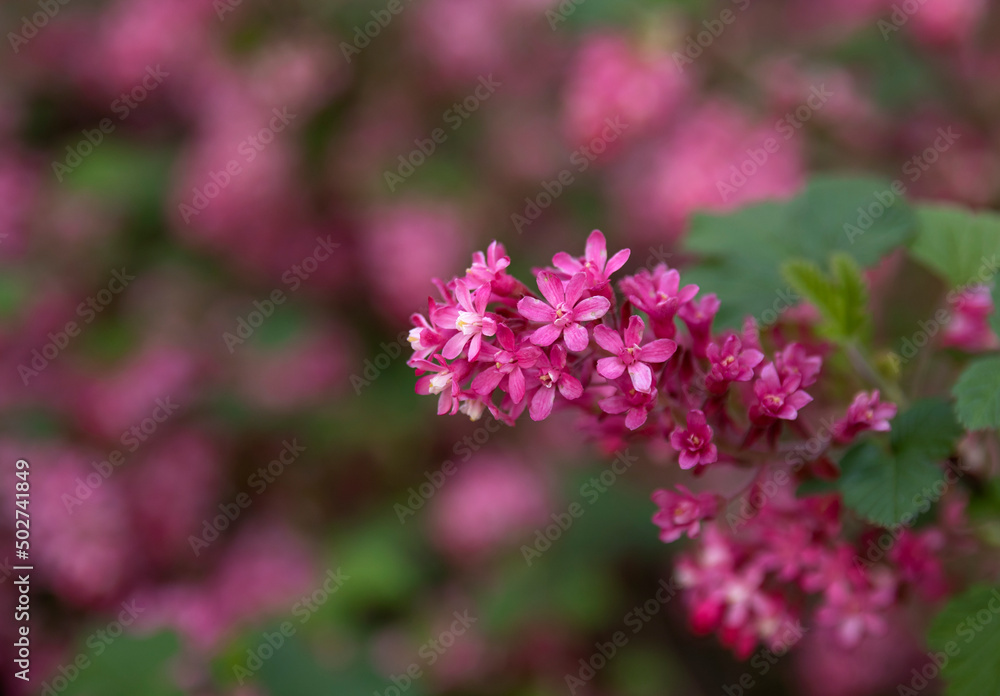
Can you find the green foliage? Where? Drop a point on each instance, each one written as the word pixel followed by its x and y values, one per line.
pixel 841 298
pixel 295 671
pixel 743 252
pixel 958 244
pixel 977 395
pixel 886 486
pixel 967 631
pixel 128 666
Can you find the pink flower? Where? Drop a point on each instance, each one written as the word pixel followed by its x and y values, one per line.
pixel 682 513
pixel 793 361
pixel 470 319
pixel 698 317
pixel 635 403
pixel 866 412
pixel 595 263
pixel 446 381
pixel 730 364
pixel 491 268
pixel 969 328
pixel 424 338
pixel 508 361
pixel 694 444
pixel 553 374
pixel 629 355
pixel 659 295
pixel 563 312
pixel 777 398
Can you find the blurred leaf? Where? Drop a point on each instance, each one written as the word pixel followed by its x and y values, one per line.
pixel 884 487
pixel 741 260
pixel 816 487
pixel 582 14
pixel 13 293
pixel 129 666
pixel 825 219
pixel 853 295
pixel 382 561
pixel 124 172
pixel 901 77
pixel 928 427
pixel 743 252
pixel 295 671
pixel 970 643
pixel 958 244
pixel 977 395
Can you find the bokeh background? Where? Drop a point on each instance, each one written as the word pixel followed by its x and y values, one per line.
pixel 215 220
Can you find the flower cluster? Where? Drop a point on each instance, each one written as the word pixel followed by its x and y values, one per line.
pixel 491 343
pixel 642 358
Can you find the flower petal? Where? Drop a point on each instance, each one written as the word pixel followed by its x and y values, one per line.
pixel 633 332
pixel 575 287
pixel 455 345
pixel 486 381
pixel 614 404
pixel 616 262
pixel 551 287
pixel 566 263
pixel 610 368
pixel 636 418
pixel 591 308
pixel 642 377
pixel 608 339
pixel 474 345
pixel 541 404
pixel 597 249
pixel 576 337
pixel 546 335
pixel 535 310
pixel 515 385
pixel 482 298
pixel 658 351
pixel 570 387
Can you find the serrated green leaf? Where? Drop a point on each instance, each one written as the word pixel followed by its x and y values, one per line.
pixel 852 295
pixel 967 631
pixel 809 281
pixel 977 395
pixel 743 252
pixel 841 298
pixel 960 245
pixel 929 427
pixel 886 486
pixel 880 486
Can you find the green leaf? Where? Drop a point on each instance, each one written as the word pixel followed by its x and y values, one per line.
pixel 743 252
pixel 815 487
pixel 977 395
pixel 960 245
pixel 928 427
pixel 880 486
pixel 852 296
pixel 295 670
pixel 840 214
pixel 128 666
pixel 741 260
pixel 842 299
pixel 809 281
pixel 883 486
pixel 967 631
